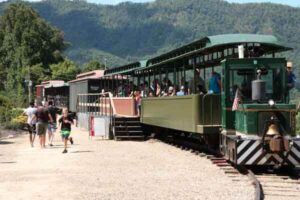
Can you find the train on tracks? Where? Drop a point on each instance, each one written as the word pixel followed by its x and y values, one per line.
pixel 250 120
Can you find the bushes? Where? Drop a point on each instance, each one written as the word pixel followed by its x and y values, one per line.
pixel 13 125
pixel 13 119
pixel 18 122
pixel 10 117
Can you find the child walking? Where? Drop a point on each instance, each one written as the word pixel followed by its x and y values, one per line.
pixel 65 128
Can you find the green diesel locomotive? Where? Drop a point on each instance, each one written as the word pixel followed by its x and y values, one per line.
pixel 250 119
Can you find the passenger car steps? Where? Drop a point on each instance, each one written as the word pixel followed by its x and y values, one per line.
pixel 127 128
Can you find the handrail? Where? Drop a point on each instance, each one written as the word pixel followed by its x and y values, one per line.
pixel 110 95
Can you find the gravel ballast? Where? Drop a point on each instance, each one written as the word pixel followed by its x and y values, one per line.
pixel 102 169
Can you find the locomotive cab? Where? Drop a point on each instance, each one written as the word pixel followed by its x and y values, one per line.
pixel 258 123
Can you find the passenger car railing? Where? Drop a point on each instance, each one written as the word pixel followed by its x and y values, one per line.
pixel 100 104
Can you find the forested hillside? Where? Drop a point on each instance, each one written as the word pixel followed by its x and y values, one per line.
pixel 131 31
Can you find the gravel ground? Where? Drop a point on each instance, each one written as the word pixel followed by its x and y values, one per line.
pixel 101 169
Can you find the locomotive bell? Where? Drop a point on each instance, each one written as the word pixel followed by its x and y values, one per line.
pixel 272 130
pixel 258 88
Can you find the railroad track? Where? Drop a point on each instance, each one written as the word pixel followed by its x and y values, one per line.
pixel 268 183
pixel 279 184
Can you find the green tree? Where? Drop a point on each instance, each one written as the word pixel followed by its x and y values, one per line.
pixel 66 70
pixel 25 41
pixel 93 65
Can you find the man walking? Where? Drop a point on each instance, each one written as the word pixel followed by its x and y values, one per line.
pixel 30 112
pixel 53 111
pixel 42 117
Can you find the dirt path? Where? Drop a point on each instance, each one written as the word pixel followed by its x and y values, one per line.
pixel 100 169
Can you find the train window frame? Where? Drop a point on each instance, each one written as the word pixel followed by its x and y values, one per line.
pixel 272 87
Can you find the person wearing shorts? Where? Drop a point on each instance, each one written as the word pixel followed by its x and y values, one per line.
pixel 53 111
pixel 65 128
pixel 42 117
pixel 30 112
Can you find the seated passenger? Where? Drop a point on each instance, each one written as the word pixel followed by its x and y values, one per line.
pixel 158 88
pixel 164 85
pixel 171 91
pixel 150 94
pixel 181 92
pixel 215 83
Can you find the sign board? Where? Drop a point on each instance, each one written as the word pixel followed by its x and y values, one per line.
pixel 100 126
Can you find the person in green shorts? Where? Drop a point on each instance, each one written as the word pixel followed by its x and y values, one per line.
pixel 65 128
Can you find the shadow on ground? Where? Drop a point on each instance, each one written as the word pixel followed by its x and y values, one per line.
pixel 5 142
pixel 9 162
pixel 87 151
pixel 59 146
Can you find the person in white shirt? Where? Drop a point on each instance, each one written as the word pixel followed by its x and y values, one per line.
pixel 30 112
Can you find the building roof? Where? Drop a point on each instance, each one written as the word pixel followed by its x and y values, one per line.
pixel 96 74
pixel 53 83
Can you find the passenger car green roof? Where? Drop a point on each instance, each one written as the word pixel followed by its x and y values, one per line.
pixel 126 69
pixel 240 38
pixel 204 45
pixel 212 43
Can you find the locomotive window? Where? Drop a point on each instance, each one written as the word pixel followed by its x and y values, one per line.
pixel 268 77
pixel 243 78
pixel 242 72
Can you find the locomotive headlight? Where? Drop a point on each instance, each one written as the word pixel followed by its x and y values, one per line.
pixel 271 102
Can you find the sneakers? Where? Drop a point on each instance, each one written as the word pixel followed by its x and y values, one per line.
pixel 65 151
pixel 71 140
pixel 51 145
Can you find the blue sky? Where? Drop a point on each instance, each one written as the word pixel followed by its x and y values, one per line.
pixel 113 2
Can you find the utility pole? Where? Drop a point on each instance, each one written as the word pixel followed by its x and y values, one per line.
pixel 29 85
pixel 105 63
